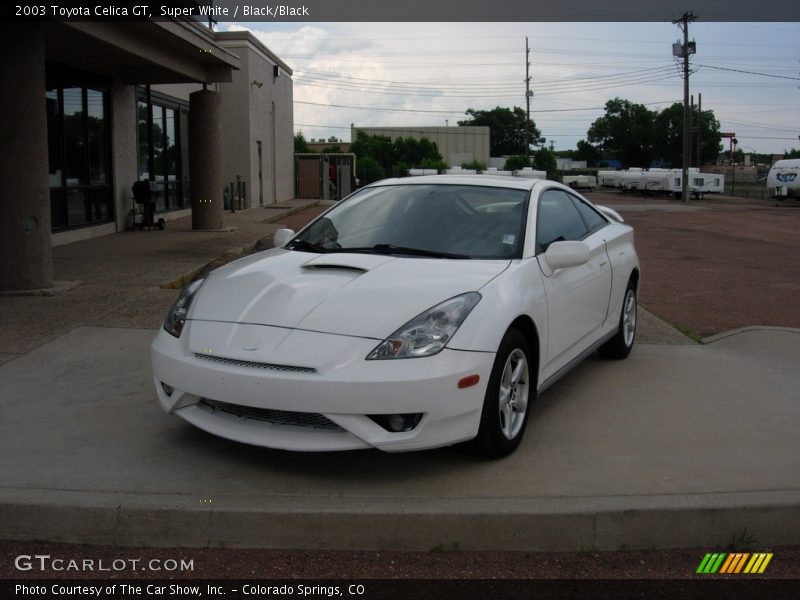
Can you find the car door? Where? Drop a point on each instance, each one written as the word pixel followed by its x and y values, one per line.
pixel 577 297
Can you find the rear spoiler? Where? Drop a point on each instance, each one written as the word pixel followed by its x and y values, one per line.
pixel 610 213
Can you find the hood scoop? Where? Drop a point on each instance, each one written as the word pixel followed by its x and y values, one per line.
pixel 347 262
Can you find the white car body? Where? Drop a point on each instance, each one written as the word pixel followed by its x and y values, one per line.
pixel 289 331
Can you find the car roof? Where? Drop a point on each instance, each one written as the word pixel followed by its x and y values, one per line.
pixel 500 181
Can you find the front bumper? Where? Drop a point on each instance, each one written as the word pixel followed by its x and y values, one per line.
pixel 275 398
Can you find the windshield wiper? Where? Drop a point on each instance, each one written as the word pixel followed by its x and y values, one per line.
pixel 305 246
pixel 392 249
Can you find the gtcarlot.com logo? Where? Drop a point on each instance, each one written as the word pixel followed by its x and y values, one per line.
pixel 46 562
pixel 734 563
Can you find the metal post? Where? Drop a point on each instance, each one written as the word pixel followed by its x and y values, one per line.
pixel 528 95
pixel 699 128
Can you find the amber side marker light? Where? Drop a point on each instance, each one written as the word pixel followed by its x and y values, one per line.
pixel 468 381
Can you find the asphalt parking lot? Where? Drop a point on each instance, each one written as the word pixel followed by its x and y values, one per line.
pixel 684 444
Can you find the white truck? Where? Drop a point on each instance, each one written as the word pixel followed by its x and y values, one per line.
pixel 783 179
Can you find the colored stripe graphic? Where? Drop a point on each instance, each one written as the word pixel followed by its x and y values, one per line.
pixel 734 563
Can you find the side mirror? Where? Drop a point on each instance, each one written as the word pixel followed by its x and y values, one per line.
pixel 561 255
pixel 282 237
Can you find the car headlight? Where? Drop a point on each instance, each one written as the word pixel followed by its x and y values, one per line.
pixel 176 317
pixel 427 333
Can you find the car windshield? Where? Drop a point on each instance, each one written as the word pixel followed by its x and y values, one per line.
pixel 440 220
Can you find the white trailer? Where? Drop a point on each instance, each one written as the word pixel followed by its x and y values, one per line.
pixel 585 182
pixel 631 179
pixel 609 178
pixel 655 181
pixel 783 179
pixel 706 183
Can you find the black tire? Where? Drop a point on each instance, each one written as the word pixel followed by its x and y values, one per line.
pixel 620 346
pixel 499 436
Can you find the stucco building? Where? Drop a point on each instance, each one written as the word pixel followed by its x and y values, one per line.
pixel 89 108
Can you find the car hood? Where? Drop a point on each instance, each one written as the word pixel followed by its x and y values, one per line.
pixel 364 295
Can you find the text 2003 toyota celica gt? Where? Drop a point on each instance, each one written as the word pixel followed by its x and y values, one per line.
pixel 416 313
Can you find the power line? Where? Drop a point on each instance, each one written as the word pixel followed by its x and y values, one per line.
pixel 749 72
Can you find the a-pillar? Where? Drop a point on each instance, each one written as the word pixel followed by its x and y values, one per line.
pixel 205 167
pixel 26 253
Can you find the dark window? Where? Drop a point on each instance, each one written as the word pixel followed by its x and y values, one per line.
pixel 593 219
pixel 78 134
pixel 163 148
pixel 557 220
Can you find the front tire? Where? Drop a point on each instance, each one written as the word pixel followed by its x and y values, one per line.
pixel 511 389
pixel 620 346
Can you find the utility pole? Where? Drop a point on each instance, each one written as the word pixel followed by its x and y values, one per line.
pixel 685 51
pixel 528 94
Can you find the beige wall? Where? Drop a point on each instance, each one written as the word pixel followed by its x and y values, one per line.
pixel 247 117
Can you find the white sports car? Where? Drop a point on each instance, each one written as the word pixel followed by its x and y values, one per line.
pixel 416 313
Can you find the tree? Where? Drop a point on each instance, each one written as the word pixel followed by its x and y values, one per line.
pixel 626 131
pixel 668 136
pixel 507 129
pixel 588 153
pixel 793 153
pixel 368 170
pixel 545 160
pixel 331 150
pixel 379 147
pixel 300 144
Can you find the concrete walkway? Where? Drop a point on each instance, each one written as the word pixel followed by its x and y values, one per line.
pixel 683 444
pixel 680 445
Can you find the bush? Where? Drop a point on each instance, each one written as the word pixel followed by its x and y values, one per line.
pixel 475 164
pixel 430 163
pixel 515 163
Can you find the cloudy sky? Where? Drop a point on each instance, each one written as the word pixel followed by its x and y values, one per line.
pixel 407 74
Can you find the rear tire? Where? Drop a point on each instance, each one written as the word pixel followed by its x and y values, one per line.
pixel 509 394
pixel 620 346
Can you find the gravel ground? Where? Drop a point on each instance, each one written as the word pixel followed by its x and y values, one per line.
pixel 720 268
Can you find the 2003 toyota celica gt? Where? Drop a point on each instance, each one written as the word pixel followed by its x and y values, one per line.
pixel 416 313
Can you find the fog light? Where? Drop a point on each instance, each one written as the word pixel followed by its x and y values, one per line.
pixel 397 423
pixel 168 389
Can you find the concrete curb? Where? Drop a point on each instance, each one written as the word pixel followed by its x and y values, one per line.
pixel 726 334
pixel 301 522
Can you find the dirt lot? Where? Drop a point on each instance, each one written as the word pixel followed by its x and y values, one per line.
pixel 719 268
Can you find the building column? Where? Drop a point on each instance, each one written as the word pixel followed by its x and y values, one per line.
pixel 205 166
pixel 26 252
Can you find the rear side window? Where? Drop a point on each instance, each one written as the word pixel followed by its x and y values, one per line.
pixel 593 219
pixel 557 220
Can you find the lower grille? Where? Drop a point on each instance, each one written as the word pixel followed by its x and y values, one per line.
pixel 276 417
pixel 234 362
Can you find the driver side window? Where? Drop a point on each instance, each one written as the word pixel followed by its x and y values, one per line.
pixel 557 220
